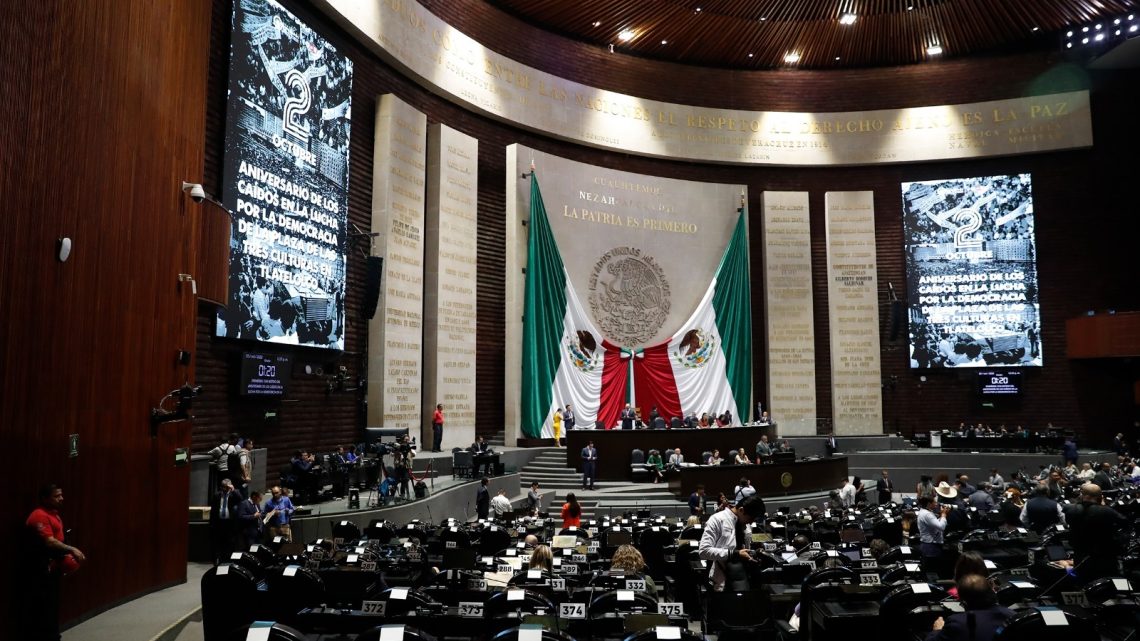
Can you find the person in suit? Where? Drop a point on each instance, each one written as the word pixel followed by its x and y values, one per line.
pixel 628 416
pixel 653 416
pixel 982 618
pixel 223 520
pixel 483 499
pixel 676 459
pixel 589 465
pixel 831 445
pixel 763 449
pixel 249 519
pixel 568 418
pixel 885 488
pixel 481 455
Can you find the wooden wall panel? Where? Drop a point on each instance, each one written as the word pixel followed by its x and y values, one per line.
pixel 102 119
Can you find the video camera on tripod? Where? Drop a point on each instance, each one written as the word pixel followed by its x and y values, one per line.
pixel 374 442
pixel 403 448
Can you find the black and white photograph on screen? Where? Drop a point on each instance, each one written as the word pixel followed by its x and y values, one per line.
pixel 971 266
pixel 285 180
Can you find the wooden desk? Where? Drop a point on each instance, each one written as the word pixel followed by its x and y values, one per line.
pixel 615 446
pixel 801 477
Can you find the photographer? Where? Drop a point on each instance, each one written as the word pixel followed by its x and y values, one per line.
pixel 403 453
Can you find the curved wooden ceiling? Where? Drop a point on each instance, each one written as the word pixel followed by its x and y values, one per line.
pixel 759 34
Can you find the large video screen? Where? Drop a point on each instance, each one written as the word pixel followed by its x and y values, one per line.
pixel 285 180
pixel 972 272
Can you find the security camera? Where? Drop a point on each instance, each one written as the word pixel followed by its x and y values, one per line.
pixel 197 194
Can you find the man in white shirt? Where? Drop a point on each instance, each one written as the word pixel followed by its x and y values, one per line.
pixel 743 490
pixel 501 504
pixel 996 481
pixel 930 527
pixel 847 494
pixel 718 542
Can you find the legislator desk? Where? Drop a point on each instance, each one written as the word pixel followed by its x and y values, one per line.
pixel 1007 443
pixel 772 479
pixel 615 446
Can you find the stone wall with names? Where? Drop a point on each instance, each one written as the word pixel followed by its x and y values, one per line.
pixel 786 234
pixel 395 335
pixel 853 312
pixel 449 284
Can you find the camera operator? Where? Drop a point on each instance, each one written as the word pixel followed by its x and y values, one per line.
pixel 403 452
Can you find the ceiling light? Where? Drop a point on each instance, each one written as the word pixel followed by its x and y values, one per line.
pixel 1117 21
pixel 847 19
pixel 664 42
pixel 1132 29
pixel 934 50
pixel 1084 29
pixel 1084 41
pixel 1034 29
pixel 1099 37
pixel 792 58
pixel 749 55
pixel 597 23
pixel 1118 32
pixel 837 58
pixel 1098 26
pixel 625 35
pixel 910 7
pixel 763 18
pixel 1069 35
pixel 698 10
pixel 1069 46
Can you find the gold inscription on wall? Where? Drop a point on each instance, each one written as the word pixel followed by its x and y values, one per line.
pixel 450 62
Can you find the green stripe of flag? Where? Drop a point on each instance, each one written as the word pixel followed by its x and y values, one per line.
pixel 544 314
pixel 732 304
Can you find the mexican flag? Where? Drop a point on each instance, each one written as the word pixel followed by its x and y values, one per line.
pixel 705 367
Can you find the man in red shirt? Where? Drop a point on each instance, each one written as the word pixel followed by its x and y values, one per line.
pixel 437 429
pixel 51 558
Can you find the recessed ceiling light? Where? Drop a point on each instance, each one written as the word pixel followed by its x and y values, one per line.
pixel 625 35
pixel 1034 29
pixel 763 18
pixel 1084 41
pixel 1099 37
pixel 698 10
pixel 847 19
pixel 1098 27
pixel 664 42
pixel 837 57
pixel 1117 21
pixel 597 23
pixel 934 50
pixel 1069 35
pixel 792 58
pixel 1118 32
pixel 1069 45
pixel 1132 29
pixel 749 55
pixel 910 7
pixel 1084 29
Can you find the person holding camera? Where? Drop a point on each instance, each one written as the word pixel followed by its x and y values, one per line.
pixel 931 527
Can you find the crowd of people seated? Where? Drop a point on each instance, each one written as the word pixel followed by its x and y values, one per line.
pixel 962 559
pixel 657 464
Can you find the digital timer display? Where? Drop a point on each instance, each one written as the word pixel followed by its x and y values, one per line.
pixel 264 375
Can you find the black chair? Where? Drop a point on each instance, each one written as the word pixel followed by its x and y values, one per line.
pixel 346 532
pixel 512 634
pixel 650 634
pixel 504 604
pixel 637 470
pixel 462 462
pixel 404 600
pixel 612 580
pixel 1029 625
pixel 222 587
pixel 676 423
pixel 493 539
pixel 659 423
pixel 1017 590
pixel 410 634
pixel 599 425
pixel 738 615
pixel 291 589
pixel 380 530
pixel 451 587
pixel 902 602
pixel 277 632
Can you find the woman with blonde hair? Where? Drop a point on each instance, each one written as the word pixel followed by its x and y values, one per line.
pixel 629 560
pixel 541 558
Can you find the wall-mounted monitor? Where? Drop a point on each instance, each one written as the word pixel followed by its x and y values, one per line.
pixel 264 375
pixel 971 268
pixel 285 180
pixel 999 383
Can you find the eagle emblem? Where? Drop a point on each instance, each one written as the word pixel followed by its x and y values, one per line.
pixel 695 349
pixel 582 348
